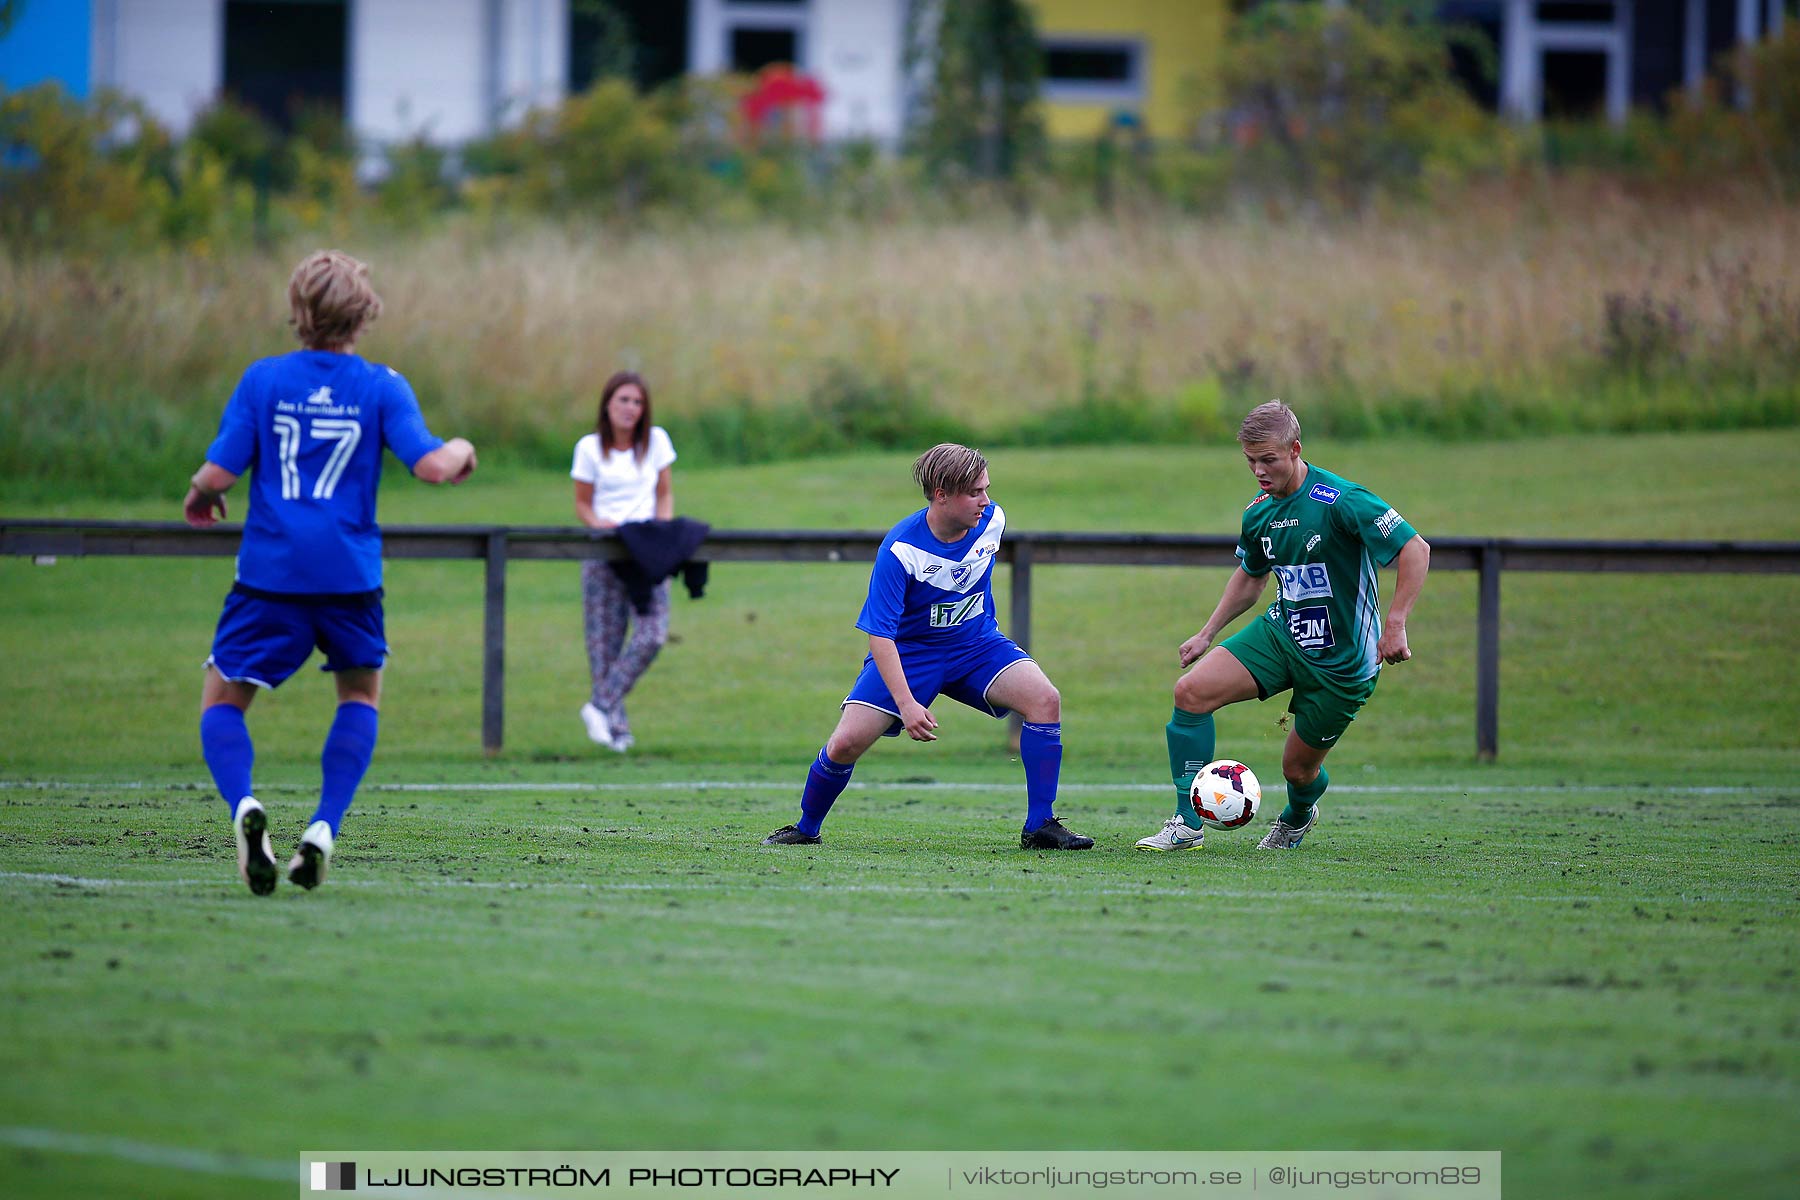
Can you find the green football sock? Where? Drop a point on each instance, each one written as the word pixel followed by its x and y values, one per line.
pixel 1190 738
pixel 1301 800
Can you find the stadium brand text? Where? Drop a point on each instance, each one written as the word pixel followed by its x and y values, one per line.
pixel 1289 523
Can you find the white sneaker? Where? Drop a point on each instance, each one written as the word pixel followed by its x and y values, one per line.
pixel 598 727
pixel 256 857
pixel 312 857
pixel 1175 835
pixel 1282 836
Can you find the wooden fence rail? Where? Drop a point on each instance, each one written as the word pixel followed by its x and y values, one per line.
pixel 496 545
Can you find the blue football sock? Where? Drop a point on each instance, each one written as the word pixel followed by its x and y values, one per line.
pixel 1301 800
pixel 825 782
pixel 225 741
pixel 1040 750
pixel 348 748
pixel 1190 739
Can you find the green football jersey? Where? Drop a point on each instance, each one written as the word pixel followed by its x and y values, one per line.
pixel 1324 543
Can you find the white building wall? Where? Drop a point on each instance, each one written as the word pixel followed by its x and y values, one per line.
pixel 170 54
pixel 417 67
pixel 856 56
pixel 852 47
pixel 532 57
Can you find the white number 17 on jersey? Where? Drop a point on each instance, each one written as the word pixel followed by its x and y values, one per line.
pixel 344 432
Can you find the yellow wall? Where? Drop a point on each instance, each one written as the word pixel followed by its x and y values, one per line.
pixel 1183 41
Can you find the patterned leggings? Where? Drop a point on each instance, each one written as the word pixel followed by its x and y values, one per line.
pixel 614 662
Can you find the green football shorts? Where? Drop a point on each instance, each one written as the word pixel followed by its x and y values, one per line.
pixel 1323 707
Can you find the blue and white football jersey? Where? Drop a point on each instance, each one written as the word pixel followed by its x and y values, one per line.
pixel 310 426
pixel 926 591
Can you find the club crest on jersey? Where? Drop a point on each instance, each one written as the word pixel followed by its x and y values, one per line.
pixel 1311 628
pixel 1312 540
pixel 959 574
pixel 1324 493
pixel 1309 581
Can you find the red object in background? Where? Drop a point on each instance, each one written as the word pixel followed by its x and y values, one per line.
pixel 781 98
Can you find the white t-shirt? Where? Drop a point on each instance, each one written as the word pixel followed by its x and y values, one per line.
pixel 624 488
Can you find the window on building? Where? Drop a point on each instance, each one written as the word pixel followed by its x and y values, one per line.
pixel 753 49
pixel 1574 85
pixel 281 59
pixel 1556 11
pixel 1105 71
pixel 656 33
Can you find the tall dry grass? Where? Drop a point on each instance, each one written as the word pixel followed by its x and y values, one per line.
pixel 509 331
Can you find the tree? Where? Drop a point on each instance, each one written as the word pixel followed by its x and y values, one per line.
pixel 981 65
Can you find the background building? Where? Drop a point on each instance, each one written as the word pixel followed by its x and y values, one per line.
pixel 451 70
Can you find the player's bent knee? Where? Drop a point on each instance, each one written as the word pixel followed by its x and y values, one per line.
pixel 1192 695
pixel 1044 709
pixel 845 751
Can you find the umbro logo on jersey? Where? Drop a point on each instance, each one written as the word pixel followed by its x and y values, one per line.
pixel 933 569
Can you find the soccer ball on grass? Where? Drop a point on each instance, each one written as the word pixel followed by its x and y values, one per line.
pixel 1226 794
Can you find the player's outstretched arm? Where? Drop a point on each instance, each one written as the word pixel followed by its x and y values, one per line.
pixel 205 503
pixel 915 716
pixel 1242 591
pixel 452 462
pixel 1409 576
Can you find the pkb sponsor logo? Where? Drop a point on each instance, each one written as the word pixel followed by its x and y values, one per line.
pixel 1311 628
pixel 1309 581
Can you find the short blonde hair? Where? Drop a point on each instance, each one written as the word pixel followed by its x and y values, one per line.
pixel 331 299
pixel 1271 422
pixel 948 466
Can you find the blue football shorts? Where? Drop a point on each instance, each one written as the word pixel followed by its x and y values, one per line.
pixel 963 673
pixel 262 639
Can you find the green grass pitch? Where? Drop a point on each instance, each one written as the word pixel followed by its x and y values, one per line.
pixel 1583 955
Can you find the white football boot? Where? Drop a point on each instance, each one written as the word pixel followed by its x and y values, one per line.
pixel 1282 836
pixel 256 857
pixel 1175 835
pixel 312 857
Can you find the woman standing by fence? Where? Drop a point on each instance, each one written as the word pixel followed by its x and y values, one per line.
pixel 622 474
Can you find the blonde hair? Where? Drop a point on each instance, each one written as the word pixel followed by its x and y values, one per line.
pixel 948 466
pixel 1271 422
pixel 331 299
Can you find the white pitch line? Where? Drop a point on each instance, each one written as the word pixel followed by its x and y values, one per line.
pixel 704 785
pixel 1200 888
pixel 175 1158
